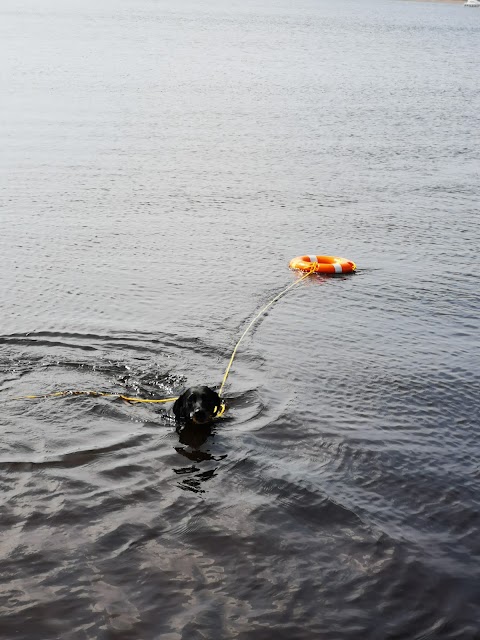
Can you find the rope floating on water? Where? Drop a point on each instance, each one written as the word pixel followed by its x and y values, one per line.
pixel 310 264
pixel 252 322
pixel 94 394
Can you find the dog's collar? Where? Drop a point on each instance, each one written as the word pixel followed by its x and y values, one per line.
pixel 219 411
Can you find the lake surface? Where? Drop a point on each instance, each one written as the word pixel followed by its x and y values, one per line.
pixel 161 162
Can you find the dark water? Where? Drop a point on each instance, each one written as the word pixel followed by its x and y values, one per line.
pixel 161 163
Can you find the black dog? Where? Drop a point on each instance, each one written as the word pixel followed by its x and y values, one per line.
pixel 197 406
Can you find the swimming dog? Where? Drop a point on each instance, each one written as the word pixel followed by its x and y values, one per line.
pixel 197 406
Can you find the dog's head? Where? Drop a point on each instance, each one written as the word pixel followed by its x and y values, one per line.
pixel 197 406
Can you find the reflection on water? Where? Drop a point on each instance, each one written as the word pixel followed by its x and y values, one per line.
pixel 162 164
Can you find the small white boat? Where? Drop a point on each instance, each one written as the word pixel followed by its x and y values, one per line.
pixel 471 3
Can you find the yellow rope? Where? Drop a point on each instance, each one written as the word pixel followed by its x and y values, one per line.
pixel 96 394
pixel 158 401
pixel 252 322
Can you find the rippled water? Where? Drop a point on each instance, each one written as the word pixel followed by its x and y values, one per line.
pixel 161 163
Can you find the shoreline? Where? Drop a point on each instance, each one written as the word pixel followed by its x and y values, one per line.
pixel 459 2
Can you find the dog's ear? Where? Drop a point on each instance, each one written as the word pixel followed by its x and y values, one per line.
pixel 178 405
pixel 213 398
pixel 176 408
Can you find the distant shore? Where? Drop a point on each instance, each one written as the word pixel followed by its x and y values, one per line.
pixel 442 1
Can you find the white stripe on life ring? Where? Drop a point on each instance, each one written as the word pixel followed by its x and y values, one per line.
pixel 312 258
pixel 337 267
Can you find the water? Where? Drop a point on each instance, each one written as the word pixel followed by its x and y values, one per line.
pixel 161 163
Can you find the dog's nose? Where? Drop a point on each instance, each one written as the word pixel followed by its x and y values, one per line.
pixel 200 417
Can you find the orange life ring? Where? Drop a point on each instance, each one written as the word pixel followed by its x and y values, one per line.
pixel 323 264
